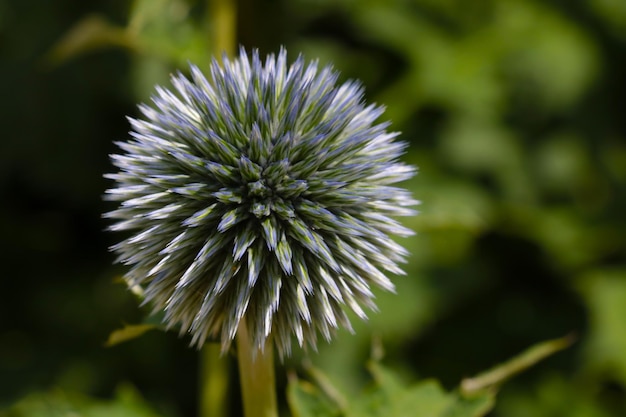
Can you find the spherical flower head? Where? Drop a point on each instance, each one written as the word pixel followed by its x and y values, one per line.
pixel 261 194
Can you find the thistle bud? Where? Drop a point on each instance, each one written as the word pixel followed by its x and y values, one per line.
pixel 261 193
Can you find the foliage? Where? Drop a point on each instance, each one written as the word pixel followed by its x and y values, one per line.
pixel 127 403
pixel 390 397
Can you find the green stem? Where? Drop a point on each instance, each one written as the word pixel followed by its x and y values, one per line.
pixel 256 373
pixel 222 16
pixel 499 374
pixel 213 382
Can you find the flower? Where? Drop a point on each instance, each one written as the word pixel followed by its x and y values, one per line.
pixel 262 194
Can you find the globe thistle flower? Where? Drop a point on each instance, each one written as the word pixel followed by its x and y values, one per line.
pixel 261 194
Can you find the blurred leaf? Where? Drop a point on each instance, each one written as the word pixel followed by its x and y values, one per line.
pixel 551 60
pixel 478 146
pixel 144 11
pixel 127 403
pixel 563 164
pixel 475 406
pixel 128 332
pixel 482 147
pixel 305 400
pixel 565 235
pixel 454 214
pixel 158 28
pixel 168 30
pixel 407 311
pixel 604 292
pixel 613 12
pixel 451 204
pixel 554 396
pixel 147 72
pixel 614 159
pixel 90 33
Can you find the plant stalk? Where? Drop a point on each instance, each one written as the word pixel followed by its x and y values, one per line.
pixel 213 382
pixel 256 373
pixel 222 18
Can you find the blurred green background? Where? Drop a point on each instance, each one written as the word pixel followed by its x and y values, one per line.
pixel 514 111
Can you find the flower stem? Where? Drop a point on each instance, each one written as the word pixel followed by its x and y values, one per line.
pixel 213 382
pixel 222 19
pixel 256 373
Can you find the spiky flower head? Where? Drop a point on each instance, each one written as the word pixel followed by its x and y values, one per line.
pixel 261 194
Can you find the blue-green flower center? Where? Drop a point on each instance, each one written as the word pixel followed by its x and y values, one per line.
pixel 260 194
pixel 259 189
pixel 260 209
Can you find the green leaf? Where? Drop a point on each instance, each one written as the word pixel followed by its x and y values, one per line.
pixel 90 33
pixel 306 400
pixel 604 291
pixel 127 403
pixel 388 382
pixel 131 331
pixel 128 332
pixel 476 406
pixel 168 30
pixel 571 241
pixel 560 395
pixel 426 398
pixel 612 12
pixel 389 396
